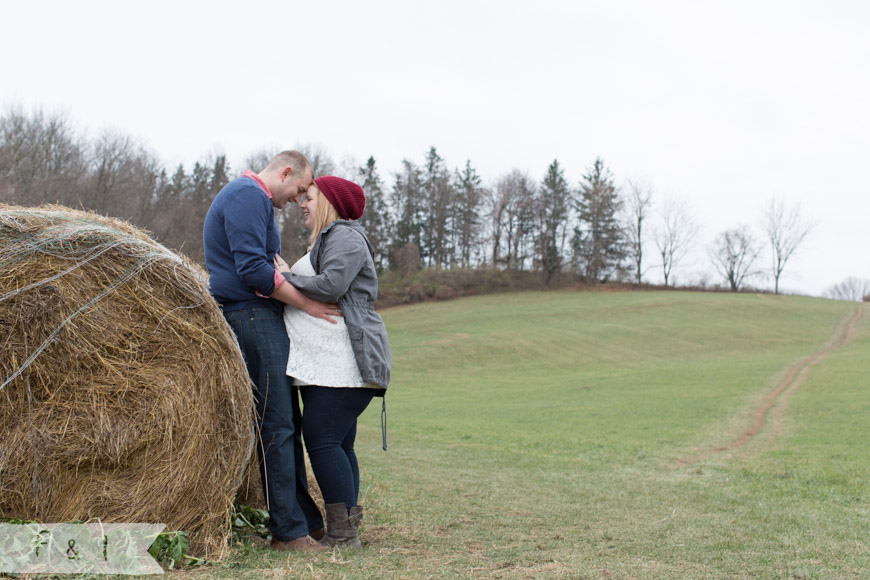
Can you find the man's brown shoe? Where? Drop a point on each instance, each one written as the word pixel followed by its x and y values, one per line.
pixel 304 544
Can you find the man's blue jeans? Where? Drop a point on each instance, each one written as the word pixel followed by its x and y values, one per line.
pixel 265 346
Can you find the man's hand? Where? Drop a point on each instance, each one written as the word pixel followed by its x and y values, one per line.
pixel 288 294
pixel 322 310
pixel 280 264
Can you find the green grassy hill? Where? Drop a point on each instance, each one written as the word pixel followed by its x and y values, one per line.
pixel 618 435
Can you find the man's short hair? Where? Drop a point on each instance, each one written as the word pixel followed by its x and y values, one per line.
pixel 293 159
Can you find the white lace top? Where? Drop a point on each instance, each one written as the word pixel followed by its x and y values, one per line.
pixel 320 352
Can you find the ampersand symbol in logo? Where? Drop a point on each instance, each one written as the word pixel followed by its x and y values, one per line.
pixel 74 555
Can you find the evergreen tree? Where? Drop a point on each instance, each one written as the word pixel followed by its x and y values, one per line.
pixel 167 224
pixel 220 176
pixel 200 177
pixel 177 188
pixel 466 222
pixel 438 197
pixel 178 194
pixel 599 241
pixel 553 204
pixel 375 219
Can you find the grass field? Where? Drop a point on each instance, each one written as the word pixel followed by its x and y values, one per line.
pixel 612 435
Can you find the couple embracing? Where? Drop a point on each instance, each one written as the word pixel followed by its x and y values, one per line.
pixel 309 330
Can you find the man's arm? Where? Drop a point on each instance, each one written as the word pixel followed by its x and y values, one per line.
pixel 246 224
pixel 288 294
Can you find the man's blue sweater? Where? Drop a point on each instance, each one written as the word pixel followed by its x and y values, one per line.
pixel 241 238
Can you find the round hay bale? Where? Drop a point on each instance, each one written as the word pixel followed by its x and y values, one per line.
pixel 124 395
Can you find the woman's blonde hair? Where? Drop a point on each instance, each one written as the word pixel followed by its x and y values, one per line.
pixel 325 215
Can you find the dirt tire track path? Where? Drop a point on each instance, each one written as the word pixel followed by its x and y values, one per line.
pixel 783 391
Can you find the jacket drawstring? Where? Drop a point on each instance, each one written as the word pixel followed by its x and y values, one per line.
pixel 384 421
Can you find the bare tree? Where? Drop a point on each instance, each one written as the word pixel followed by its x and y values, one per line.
pixel 734 253
pixel 854 289
pixel 319 158
pixel 122 180
pixel 786 229
pixel 512 219
pixel 499 201
pixel 406 203
pixel 524 225
pixel 348 167
pixel 406 259
pixel 41 158
pixel 675 234
pixel 258 160
pixel 638 202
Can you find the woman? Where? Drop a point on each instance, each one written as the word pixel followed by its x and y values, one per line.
pixel 339 367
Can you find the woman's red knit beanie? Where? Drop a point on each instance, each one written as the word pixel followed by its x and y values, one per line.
pixel 346 197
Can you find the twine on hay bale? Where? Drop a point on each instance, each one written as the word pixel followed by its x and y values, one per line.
pixel 123 394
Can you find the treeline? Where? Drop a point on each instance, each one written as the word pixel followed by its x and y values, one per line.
pixel 427 215
pixel 44 160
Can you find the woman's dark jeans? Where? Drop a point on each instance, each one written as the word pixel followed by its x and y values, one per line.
pixel 265 346
pixel 330 432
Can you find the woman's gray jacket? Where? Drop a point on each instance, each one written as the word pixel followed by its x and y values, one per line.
pixel 343 262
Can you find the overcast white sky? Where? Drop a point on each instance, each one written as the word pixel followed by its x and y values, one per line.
pixel 726 103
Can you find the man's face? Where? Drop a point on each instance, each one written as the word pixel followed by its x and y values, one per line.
pixel 293 187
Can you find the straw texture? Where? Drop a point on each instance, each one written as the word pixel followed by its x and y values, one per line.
pixel 123 394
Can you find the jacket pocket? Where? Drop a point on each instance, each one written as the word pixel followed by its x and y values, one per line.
pixel 360 350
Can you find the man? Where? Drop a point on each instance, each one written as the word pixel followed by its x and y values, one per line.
pixel 241 239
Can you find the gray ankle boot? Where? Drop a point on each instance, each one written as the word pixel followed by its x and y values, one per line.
pixel 342 528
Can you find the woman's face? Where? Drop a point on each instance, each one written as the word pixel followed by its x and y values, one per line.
pixel 309 205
